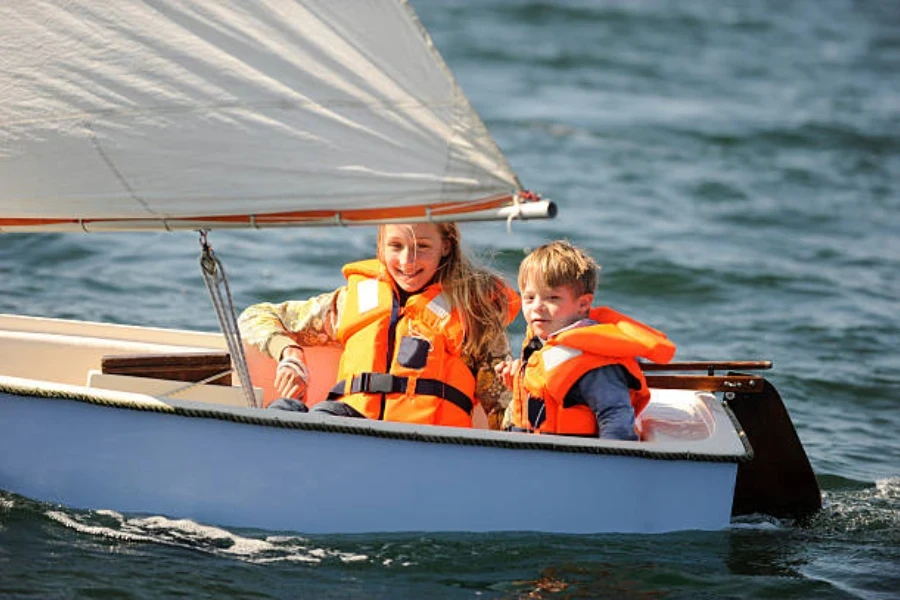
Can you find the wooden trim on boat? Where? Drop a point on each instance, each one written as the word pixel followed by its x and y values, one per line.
pixel 707 383
pixel 710 366
pixel 180 366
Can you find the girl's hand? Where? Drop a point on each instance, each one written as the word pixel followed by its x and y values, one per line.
pixel 506 370
pixel 291 376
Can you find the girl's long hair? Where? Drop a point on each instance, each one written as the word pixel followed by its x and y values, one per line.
pixel 479 294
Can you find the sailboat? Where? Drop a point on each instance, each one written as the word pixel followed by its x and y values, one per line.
pixel 203 116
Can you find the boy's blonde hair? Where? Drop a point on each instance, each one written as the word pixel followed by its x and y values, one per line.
pixel 558 264
pixel 479 294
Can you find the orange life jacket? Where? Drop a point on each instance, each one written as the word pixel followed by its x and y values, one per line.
pixel 565 357
pixel 402 363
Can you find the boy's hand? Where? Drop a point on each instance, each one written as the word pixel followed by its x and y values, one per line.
pixel 506 370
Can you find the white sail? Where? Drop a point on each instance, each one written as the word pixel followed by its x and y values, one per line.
pixel 177 114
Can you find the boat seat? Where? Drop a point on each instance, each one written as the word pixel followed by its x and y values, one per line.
pixel 65 356
pixel 178 366
pixel 676 416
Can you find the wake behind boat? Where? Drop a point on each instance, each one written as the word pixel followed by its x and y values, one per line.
pixel 199 116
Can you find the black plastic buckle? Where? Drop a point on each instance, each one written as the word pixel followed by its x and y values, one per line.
pixel 377 383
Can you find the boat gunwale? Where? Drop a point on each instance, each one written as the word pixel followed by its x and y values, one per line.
pixel 42 390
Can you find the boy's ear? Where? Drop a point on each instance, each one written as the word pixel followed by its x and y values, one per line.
pixel 584 303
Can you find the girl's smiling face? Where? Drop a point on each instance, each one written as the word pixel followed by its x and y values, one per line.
pixel 549 309
pixel 413 253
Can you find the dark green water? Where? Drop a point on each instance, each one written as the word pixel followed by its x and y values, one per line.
pixel 734 166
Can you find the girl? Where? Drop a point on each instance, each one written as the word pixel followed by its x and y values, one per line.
pixel 421 328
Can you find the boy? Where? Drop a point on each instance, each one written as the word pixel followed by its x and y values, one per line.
pixel 578 374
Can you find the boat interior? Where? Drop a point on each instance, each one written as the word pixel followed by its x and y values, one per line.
pixel 191 365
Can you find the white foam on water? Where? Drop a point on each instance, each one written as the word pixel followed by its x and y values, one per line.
pixel 888 488
pixel 98 530
pixel 184 533
pixel 760 522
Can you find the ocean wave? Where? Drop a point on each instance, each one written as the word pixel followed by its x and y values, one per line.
pixel 870 514
pixel 190 535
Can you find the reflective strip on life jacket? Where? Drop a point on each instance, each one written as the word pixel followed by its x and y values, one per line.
pixel 440 307
pixel 368 296
pixel 554 356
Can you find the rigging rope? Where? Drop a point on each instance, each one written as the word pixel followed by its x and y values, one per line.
pixel 518 198
pixel 219 292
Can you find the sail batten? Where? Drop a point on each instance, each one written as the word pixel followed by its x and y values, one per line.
pixel 144 115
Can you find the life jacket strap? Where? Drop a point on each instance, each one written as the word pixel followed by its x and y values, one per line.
pixel 385 383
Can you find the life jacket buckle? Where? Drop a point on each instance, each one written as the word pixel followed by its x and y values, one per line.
pixel 377 383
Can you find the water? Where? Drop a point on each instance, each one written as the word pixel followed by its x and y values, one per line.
pixel 734 167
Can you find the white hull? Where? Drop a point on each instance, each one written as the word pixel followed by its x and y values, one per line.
pixel 89 448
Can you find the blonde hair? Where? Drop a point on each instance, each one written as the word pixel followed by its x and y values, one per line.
pixel 558 264
pixel 479 294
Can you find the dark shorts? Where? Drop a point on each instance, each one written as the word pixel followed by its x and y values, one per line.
pixel 337 408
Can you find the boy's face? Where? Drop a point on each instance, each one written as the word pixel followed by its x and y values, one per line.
pixel 547 310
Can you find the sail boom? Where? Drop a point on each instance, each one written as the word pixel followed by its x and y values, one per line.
pixel 503 209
